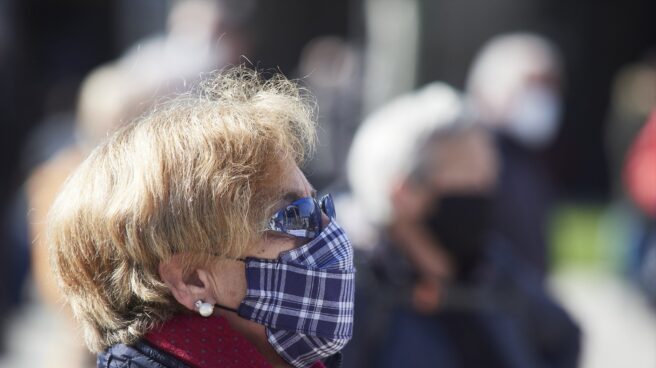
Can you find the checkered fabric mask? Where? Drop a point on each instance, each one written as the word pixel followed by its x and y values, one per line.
pixel 305 297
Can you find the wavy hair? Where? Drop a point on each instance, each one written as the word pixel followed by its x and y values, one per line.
pixel 197 175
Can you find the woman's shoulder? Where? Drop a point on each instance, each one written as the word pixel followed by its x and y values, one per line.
pixel 138 355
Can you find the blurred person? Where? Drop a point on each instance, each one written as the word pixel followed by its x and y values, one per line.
pixel 632 102
pixel 331 68
pixel 439 287
pixel 514 89
pixel 633 97
pixel 104 103
pixel 201 35
pixel 192 239
pixel 119 91
pixel 106 100
pixel 111 95
pixel 640 181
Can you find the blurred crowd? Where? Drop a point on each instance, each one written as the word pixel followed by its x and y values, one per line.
pixel 445 190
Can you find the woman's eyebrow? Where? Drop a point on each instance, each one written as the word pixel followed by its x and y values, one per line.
pixel 291 196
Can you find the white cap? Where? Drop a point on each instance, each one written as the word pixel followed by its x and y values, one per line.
pixel 386 145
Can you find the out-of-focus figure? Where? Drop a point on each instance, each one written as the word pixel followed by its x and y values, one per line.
pixel 629 221
pixel 514 90
pixel 201 36
pixel 633 98
pixel 112 95
pixel 632 101
pixel 331 68
pixel 640 179
pixel 107 99
pixel 439 287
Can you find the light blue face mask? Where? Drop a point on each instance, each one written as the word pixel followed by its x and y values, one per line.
pixel 535 116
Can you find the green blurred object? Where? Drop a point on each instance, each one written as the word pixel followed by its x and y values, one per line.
pixel 589 235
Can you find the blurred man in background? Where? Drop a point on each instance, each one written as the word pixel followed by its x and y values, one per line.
pixel 112 95
pixel 439 287
pixel 331 68
pixel 630 145
pixel 640 179
pixel 514 90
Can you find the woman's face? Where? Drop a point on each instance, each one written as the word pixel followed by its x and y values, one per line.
pixel 228 278
pixel 223 282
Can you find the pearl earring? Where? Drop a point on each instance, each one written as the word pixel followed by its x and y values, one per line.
pixel 205 309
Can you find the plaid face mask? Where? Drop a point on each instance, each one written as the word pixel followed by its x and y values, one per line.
pixel 305 297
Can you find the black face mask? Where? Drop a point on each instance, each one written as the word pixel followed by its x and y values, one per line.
pixel 460 223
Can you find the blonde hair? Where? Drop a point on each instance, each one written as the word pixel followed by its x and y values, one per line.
pixel 198 175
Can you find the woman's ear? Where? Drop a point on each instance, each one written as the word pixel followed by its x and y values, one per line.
pixel 187 288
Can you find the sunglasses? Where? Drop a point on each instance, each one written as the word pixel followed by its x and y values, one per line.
pixel 302 218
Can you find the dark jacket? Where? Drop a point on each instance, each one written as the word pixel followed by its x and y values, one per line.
pixel 139 355
pixel 142 355
pixel 503 319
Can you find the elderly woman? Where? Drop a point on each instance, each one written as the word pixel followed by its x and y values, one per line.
pixel 202 204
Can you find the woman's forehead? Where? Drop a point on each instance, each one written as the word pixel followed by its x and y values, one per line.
pixel 294 184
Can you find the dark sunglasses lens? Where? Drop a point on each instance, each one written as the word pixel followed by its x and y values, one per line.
pixel 301 214
pixel 291 217
pixel 328 206
pixel 303 218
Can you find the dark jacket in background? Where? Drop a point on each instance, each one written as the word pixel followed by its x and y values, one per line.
pixel 523 202
pixel 503 319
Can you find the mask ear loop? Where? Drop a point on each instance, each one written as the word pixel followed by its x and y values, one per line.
pixel 226 308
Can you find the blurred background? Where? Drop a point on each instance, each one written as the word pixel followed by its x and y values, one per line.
pixel 72 70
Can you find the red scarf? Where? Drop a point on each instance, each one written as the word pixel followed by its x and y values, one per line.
pixel 207 342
